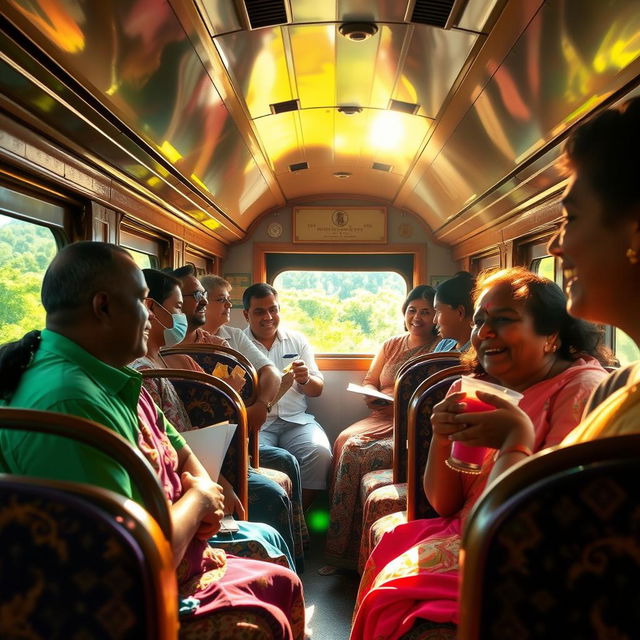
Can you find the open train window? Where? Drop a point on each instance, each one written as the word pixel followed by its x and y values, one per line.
pixel 625 348
pixel 26 249
pixel 144 248
pixel 342 311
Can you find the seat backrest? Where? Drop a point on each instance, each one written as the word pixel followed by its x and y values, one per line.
pixel 419 434
pixel 208 400
pixel 209 355
pixel 552 549
pixel 105 440
pixel 80 561
pixel 409 376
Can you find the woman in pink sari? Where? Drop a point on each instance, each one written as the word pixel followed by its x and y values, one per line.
pixel 523 339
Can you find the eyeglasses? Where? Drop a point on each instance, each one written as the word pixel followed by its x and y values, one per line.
pixel 197 295
pixel 223 299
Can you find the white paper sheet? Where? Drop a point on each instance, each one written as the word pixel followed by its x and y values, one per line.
pixel 366 391
pixel 210 445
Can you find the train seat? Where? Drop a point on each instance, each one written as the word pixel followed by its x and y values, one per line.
pixel 552 549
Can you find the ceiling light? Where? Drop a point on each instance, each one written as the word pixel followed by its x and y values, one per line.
pixel 358 31
pixel 349 110
pixel 342 175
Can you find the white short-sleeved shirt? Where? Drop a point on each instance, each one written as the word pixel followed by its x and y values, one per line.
pixel 293 405
pixel 239 341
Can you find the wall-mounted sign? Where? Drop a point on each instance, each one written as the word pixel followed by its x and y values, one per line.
pixel 340 224
pixel 239 282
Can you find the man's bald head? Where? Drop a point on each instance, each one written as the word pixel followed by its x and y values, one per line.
pixel 77 272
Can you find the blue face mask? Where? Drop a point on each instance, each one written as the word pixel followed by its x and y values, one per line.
pixel 176 333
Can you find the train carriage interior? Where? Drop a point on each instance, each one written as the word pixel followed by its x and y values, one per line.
pixel 343 151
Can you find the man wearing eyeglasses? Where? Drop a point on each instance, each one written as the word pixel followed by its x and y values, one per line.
pixel 207 312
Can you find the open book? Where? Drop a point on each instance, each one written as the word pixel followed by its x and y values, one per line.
pixel 210 445
pixel 366 391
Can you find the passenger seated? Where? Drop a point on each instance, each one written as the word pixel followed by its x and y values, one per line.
pixel 599 245
pixel 214 304
pixel 168 328
pixel 288 424
pixel 97 322
pixel 454 308
pixel 524 340
pixel 368 443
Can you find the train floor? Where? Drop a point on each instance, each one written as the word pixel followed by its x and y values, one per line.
pixel 329 599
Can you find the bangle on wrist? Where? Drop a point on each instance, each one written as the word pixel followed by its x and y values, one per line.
pixel 305 382
pixel 516 448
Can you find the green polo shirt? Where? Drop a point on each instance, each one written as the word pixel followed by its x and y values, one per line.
pixel 65 378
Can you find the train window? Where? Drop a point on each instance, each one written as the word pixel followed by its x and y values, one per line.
pixel 144 248
pixel 144 260
pixel 545 267
pixel 26 249
pixel 625 348
pixel 342 311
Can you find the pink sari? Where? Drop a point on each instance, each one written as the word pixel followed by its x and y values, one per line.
pixel 413 571
pixel 215 581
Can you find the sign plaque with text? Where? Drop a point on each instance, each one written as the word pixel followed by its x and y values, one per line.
pixel 340 224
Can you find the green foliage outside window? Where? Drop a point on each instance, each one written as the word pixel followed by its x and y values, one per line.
pixel 342 312
pixel 25 253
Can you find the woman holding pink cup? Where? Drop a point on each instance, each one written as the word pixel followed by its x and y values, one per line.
pixel 524 342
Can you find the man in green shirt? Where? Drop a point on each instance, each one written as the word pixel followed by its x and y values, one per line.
pixel 97 322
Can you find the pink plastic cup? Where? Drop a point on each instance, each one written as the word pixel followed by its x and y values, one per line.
pixel 464 457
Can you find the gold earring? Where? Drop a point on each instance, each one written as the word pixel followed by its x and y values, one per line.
pixel 632 255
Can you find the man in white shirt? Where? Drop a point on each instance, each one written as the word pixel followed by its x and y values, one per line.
pixel 288 425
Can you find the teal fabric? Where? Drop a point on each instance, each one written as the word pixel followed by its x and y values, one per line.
pixel 272 544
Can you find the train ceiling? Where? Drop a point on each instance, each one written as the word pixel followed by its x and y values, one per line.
pixel 225 110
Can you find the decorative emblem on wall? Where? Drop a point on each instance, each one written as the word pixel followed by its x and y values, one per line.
pixel 340 218
pixel 274 230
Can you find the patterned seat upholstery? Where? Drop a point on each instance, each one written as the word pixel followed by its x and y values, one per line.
pixel 81 562
pixel 393 498
pixel 40 536
pixel 552 550
pixel 209 355
pixel 208 400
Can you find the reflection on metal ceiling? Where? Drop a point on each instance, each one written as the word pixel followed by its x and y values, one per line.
pixel 189 91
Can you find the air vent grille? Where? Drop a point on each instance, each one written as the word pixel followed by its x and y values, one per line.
pixel 266 13
pixel 298 166
pixel 433 12
pixel 403 107
pixel 287 105
pixel 381 166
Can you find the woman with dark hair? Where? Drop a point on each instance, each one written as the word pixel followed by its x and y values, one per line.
pixel 454 307
pixel 524 339
pixel 367 444
pixel 168 327
pixel 599 245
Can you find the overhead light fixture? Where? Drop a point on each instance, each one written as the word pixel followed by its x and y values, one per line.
pixel 381 166
pixel 342 175
pixel 349 110
pixel 357 31
pixel 298 166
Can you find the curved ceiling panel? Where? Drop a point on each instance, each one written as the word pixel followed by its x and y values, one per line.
pixel 189 103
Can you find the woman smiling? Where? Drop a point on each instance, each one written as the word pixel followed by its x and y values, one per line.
pixel 525 340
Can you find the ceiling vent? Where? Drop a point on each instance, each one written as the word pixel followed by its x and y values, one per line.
pixel 256 14
pixel 381 166
pixel 357 31
pixel 403 107
pixel 342 175
pixel 437 13
pixel 298 166
pixel 283 107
